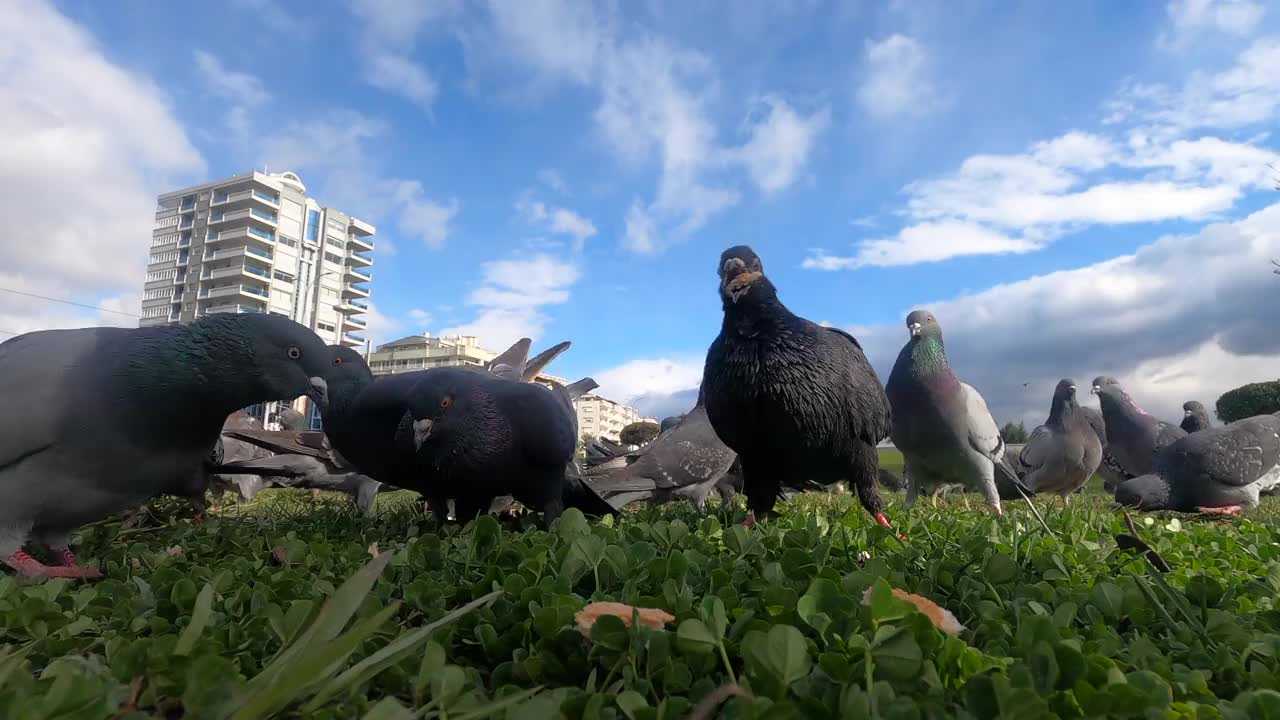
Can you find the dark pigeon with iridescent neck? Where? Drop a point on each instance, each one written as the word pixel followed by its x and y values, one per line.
pixel 1133 434
pixel 1110 469
pixel 1194 417
pixel 99 420
pixel 1219 471
pixel 1062 454
pixel 795 400
pixel 942 425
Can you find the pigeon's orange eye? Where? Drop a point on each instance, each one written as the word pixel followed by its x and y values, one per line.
pixel 445 403
pixel 929 319
pixel 294 353
pixel 337 361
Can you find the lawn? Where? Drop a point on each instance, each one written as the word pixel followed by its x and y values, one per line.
pixel 229 619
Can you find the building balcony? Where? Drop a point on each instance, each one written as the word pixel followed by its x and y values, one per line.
pixel 354 291
pixel 234 291
pixel 352 307
pixel 355 322
pixel 351 340
pixel 253 253
pixel 352 275
pixel 248 233
pixel 355 258
pixel 358 242
pixel 244 270
pixel 243 197
pixel 233 308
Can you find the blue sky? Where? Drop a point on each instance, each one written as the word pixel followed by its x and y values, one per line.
pixel 572 170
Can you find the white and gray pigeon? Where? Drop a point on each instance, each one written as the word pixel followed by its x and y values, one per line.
pixel 1194 417
pixel 1219 471
pixel 1133 435
pixel 99 420
pixel 1061 455
pixel 942 425
pixel 688 460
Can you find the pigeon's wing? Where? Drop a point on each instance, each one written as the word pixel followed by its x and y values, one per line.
pixel 575 390
pixel 1167 434
pixel 542 360
pixel 287 442
pixel 1237 454
pixel 510 364
pixel 846 336
pixel 1096 422
pixel 1039 448
pixel 36 372
pixel 984 435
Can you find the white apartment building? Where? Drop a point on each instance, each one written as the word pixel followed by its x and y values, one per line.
pixel 255 243
pixel 422 352
pixel 601 417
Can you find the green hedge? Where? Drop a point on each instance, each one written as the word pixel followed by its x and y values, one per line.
pixel 1245 401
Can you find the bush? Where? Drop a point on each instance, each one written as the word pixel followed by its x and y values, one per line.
pixel 638 433
pixel 1259 398
pixel 1014 433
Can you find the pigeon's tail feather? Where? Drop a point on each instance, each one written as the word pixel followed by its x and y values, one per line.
pixel 511 362
pixel 578 494
pixel 543 359
pixel 577 389
pixel 1008 484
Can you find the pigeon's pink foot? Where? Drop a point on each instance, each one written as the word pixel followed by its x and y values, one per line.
pixel 1229 510
pixel 750 522
pixel 197 520
pixel 883 521
pixel 27 566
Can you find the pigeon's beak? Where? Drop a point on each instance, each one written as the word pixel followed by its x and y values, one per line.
pixel 915 329
pixel 1096 390
pixel 422 431
pixel 736 279
pixel 319 392
pixel 1186 413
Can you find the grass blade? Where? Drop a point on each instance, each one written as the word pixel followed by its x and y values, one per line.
pixel 200 615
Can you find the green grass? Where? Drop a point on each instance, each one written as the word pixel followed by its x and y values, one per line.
pixel 225 620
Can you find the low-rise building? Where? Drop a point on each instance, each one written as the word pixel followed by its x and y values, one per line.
pixel 601 417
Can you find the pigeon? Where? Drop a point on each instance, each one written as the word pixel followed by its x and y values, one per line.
pixel 1061 455
pixel 1194 417
pixel 669 422
pixel 686 460
pixel 291 419
pixel 891 480
pixel 112 417
pixel 477 436
pixel 1220 471
pixel 796 400
pixel 942 425
pixel 237 451
pixel 1133 435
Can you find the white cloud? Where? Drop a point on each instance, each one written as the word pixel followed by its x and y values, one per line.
pixel 896 82
pixel 655 386
pixel 1192 17
pixel 422 217
pixel 350 180
pixel 380 327
pixel 922 243
pixel 511 297
pixel 780 144
pixel 554 180
pixel 654 110
pixel 398 74
pixel 78 132
pixel 421 318
pixel 241 92
pixel 390 30
pixel 640 236
pixel 557 220
pixel 1185 317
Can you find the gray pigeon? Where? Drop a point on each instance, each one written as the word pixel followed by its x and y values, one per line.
pixel 670 422
pixel 291 419
pixel 684 461
pixel 1194 417
pixel 1218 471
pixel 1133 435
pixel 941 425
pixel 1061 455
pixel 112 417
pixel 238 451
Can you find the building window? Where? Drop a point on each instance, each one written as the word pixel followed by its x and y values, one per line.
pixel 325 326
pixel 333 258
pixel 333 241
pixel 287 241
pixel 312 232
pixel 283 276
pixel 161 275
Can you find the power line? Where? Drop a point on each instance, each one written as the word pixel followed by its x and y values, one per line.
pixel 67 302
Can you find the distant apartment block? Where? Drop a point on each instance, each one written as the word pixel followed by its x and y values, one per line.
pixel 421 352
pixel 601 417
pixel 256 243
